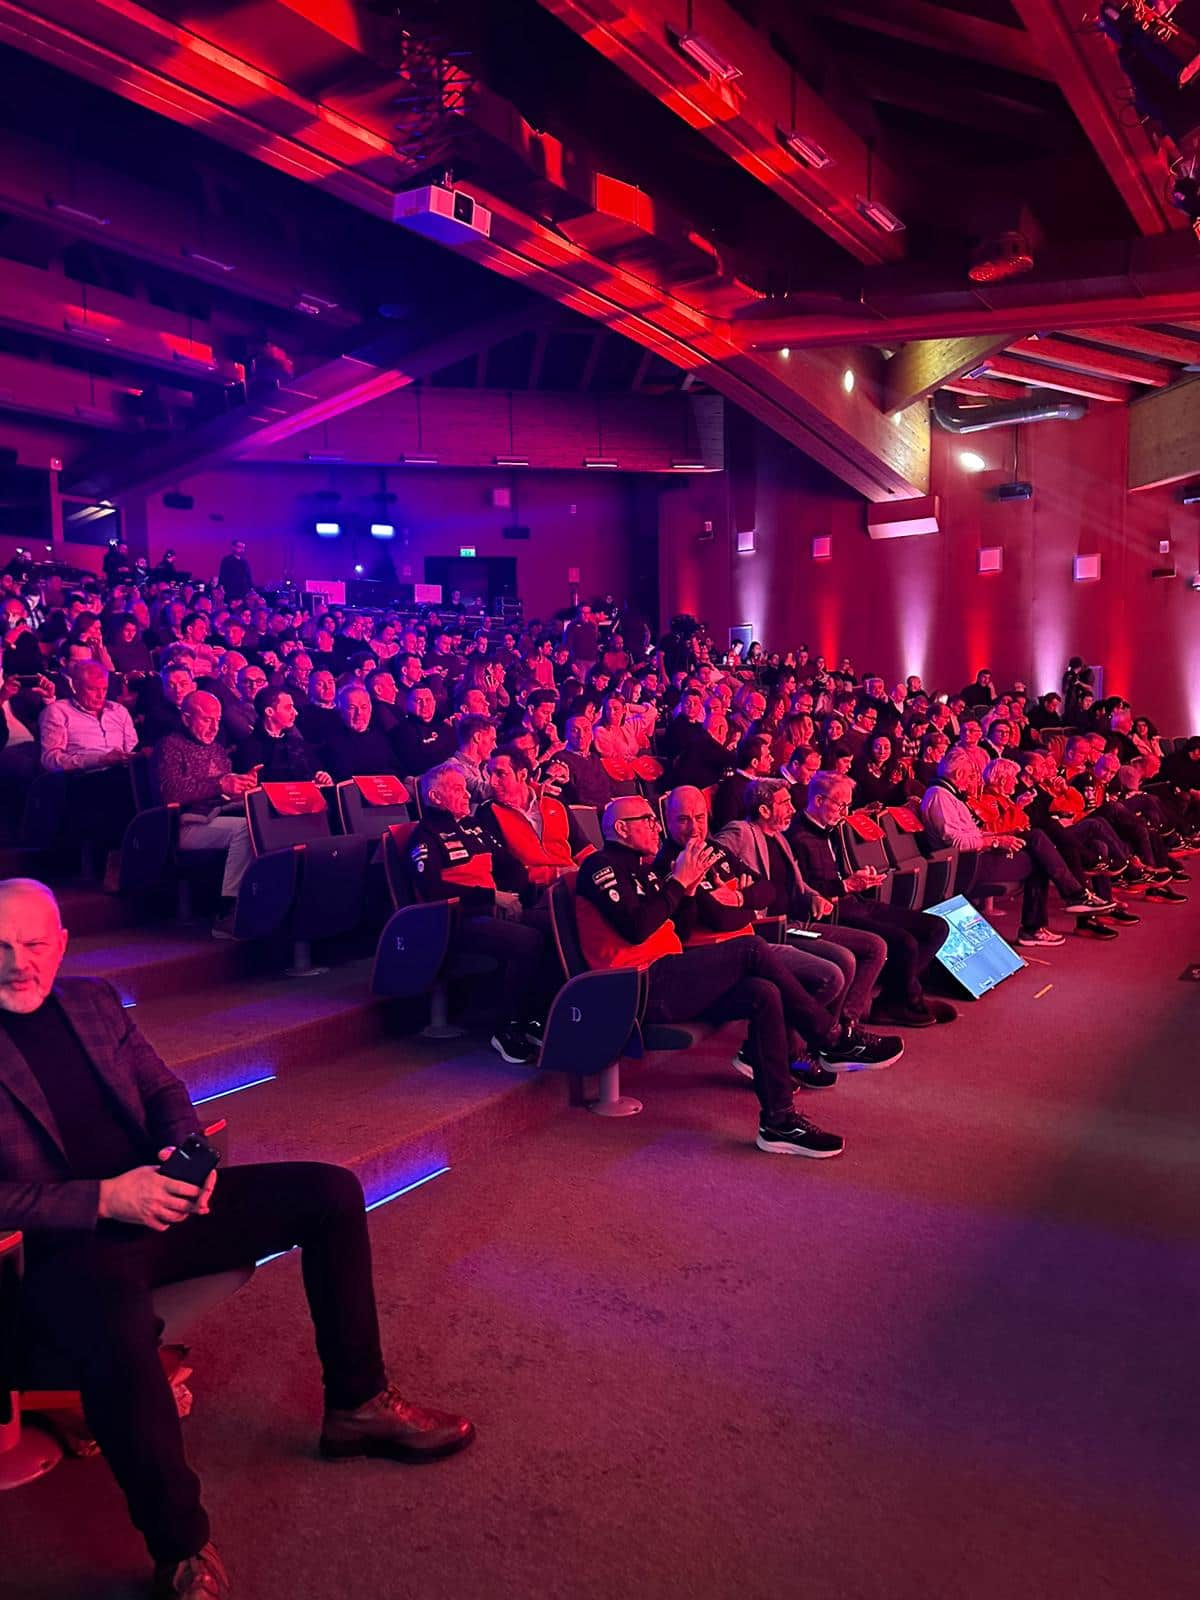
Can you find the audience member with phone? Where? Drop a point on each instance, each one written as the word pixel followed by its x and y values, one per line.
pixel 97 1141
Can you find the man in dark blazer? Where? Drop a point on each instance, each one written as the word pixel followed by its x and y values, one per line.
pixel 88 1110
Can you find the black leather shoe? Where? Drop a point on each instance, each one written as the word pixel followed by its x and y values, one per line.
pixel 391 1426
pixel 902 1016
pixel 940 1010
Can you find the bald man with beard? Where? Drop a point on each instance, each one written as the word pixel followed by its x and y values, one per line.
pixel 192 770
pixel 88 1112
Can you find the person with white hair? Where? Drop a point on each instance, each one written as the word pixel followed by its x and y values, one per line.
pixel 949 820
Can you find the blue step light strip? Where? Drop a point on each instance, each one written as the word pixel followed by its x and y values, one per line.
pixel 373 1205
pixel 236 1088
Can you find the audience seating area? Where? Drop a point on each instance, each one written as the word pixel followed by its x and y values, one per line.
pixel 330 880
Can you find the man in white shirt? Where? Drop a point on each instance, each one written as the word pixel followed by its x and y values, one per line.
pixel 88 730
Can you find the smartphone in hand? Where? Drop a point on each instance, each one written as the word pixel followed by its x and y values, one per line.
pixel 191 1161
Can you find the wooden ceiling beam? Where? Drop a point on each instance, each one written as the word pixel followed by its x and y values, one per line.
pixel 935 27
pixel 1086 70
pixel 1018 370
pixel 803 400
pixel 981 388
pixel 1164 437
pixel 1144 342
pixel 401 357
pixel 1103 363
pixel 960 103
pixel 743 117
pixel 917 369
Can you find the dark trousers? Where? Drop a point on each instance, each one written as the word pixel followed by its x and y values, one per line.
pixel 1077 856
pixel 912 939
pixel 86 1306
pixel 997 871
pixel 1130 827
pixel 743 978
pixel 1050 860
pixel 866 954
pixel 1096 835
pixel 518 948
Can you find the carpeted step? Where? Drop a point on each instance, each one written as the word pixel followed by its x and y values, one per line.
pixel 393 1111
pixel 86 909
pixel 252 1027
pixel 147 963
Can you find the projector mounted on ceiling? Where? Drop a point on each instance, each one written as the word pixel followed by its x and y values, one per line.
pixel 447 215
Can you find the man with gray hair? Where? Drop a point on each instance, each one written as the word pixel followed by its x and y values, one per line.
pixel 911 938
pixel 88 730
pixel 192 770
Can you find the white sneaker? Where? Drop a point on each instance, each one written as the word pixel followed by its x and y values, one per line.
pixel 1041 936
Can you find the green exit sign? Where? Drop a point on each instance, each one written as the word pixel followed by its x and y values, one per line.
pixel 466 549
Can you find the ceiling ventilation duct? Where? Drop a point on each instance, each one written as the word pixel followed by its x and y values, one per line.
pixel 1043 405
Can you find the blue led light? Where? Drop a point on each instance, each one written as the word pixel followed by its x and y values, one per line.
pixel 408 1188
pixel 235 1088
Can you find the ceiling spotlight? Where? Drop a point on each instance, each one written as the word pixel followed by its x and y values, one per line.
pixel 971 461
pixel 804 149
pixel 328 530
pixel 358 569
pixel 881 216
pixel 785 352
pixel 383 530
pixel 707 57
pixel 848 380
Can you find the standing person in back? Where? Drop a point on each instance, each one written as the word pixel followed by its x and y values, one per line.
pixel 234 576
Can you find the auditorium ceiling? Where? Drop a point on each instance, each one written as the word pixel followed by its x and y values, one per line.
pixel 823 210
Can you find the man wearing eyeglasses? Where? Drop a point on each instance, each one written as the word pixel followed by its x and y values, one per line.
pixel 625 908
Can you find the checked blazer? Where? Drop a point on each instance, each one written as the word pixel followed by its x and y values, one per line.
pixel 37 1190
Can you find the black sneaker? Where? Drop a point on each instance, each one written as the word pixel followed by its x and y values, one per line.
pixel 799 1137
pixel 1180 876
pixel 1090 928
pixel 511 1045
pixel 805 1074
pixel 1164 891
pixel 812 1075
pixel 862 1051
pixel 1125 919
pixel 1097 903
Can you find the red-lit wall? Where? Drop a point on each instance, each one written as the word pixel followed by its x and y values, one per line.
pixel 919 605
pixel 579 520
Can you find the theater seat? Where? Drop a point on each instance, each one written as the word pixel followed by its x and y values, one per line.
pixel 641 1037
pixel 935 868
pixel 366 817
pixel 305 880
pixel 415 954
pixel 27 1450
pixel 273 829
pixel 584 825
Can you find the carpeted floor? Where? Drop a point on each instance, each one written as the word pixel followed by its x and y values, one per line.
pixel 958 1363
